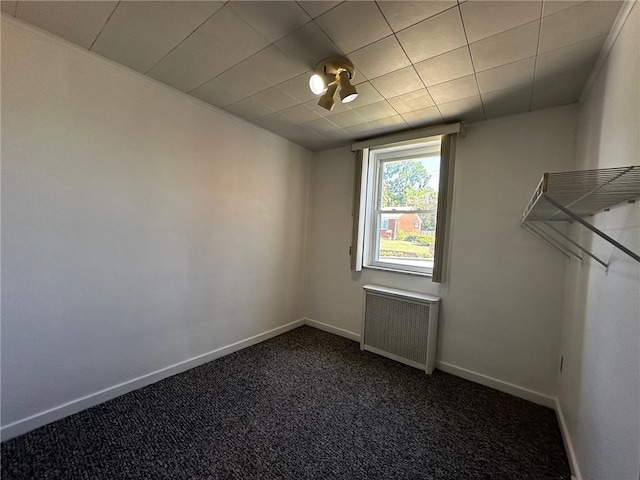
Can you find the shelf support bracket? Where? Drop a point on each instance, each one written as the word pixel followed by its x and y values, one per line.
pixel 546 238
pixel 591 227
pixel 576 244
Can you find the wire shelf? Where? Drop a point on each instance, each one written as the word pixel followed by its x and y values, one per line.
pixel 571 196
pixel 584 192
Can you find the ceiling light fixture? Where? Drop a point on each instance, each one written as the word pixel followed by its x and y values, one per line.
pixel 332 73
pixel 318 83
pixel 326 100
pixel 348 92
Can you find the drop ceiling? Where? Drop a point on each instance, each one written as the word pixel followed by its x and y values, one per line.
pixel 418 63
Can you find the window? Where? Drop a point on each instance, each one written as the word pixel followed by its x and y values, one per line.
pixel 400 221
pixel 401 205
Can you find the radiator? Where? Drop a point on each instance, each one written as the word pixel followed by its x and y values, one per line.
pixel 400 325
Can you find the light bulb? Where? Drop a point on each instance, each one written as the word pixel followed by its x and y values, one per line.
pixel 349 98
pixel 316 84
pixel 348 92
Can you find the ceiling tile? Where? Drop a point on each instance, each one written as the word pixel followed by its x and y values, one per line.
pixel 434 36
pixel 353 25
pixel 358 131
pixel 340 135
pixel 445 67
pixel 359 76
pixel 9 7
pixel 421 118
pixel 227 30
pixel 249 109
pixel 78 22
pixel 139 34
pixel 260 71
pixel 221 42
pixel 230 61
pixel 300 134
pixel 376 111
pixel 308 45
pixel 507 47
pixel 295 132
pixel 485 18
pixel 317 8
pixel 321 125
pixel 333 139
pixel 453 90
pixel 378 127
pixel 277 123
pixel 396 83
pixel 347 119
pixel 191 64
pixel 549 8
pixel 367 94
pixel 276 98
pixel 408 102
pixel 561 74
pixel 273 20
pixel 327 142
pixel 300 114
pixel 274 65
pixel 216 93
pixel 298 87
pixel 401 15
pixel 467 109
pixel 379 58
pixel 581 22
pixel 505 76
pixel 577 56
pixel 389 123
pixel 560 88
pixel 507 102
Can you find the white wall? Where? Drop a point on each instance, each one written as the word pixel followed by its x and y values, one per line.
pixel 140 228
pixel 599 388
pixel 501 310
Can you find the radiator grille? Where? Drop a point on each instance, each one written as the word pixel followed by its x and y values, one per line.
pixel 400 325
pixel 397 326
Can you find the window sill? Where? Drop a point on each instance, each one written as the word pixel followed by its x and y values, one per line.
pixel 395 270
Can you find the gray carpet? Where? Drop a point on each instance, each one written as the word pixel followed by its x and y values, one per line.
pixel 304 405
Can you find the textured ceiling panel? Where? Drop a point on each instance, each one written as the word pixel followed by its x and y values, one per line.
pixel 418 63
pixel 78 22
pixel 484 19
pixel 129 38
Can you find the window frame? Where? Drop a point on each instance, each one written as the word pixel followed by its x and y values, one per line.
pixel 449 134
pixel 372 169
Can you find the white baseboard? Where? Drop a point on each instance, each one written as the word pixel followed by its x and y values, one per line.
pixel 515 390
pixel 531 395
pixel 40 419
pixel 331 329
pixel 568 444
pixel 520 392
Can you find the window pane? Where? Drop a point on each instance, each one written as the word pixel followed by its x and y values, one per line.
pixel 404 185
pixel 404 182
pixel 404 240
pixel 408 187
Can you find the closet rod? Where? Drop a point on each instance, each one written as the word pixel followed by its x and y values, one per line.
pixel 592 228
